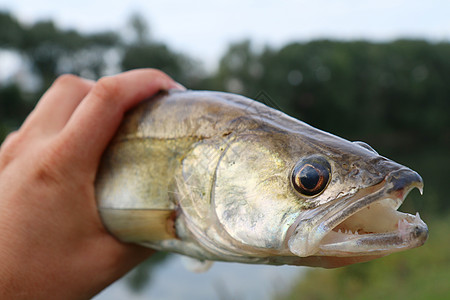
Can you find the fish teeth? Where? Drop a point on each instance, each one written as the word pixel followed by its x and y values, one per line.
pixel 402 225
pixel 417 218
pixel 347 231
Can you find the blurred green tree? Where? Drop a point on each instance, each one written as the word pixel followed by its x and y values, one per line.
pixel 141 51
pixel 48 52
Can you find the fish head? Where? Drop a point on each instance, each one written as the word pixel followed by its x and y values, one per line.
pixel 304 196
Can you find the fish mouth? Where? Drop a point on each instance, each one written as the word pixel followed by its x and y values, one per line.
pixel 367 223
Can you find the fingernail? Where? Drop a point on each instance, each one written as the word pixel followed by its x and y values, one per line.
pixel 178 86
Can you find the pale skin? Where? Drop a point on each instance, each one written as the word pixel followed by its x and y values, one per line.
pixel 52 242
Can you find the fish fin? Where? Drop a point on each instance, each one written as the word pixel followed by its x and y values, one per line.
pixel 139 225
pixel 196 265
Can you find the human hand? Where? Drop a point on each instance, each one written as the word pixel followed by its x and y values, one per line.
pixel 52 241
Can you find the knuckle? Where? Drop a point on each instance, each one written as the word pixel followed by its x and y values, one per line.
pixel 155 73
pixel 9 147
pixel 49 165
pixel 67 80
pixel 106 88
pixel 45 174
pixel 10 138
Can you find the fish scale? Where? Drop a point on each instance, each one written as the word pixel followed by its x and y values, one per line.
pixel 212 175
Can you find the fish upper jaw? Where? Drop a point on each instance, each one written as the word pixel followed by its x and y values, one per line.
pixel 366 223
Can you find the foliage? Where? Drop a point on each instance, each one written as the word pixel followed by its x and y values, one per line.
pixel 159 56
pixel 13 106
pixel 421 273
pixel 51 51
pixel 379 87
pixel 49 48
pixel 395 96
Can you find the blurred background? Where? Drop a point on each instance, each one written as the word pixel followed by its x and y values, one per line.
pixel 377 72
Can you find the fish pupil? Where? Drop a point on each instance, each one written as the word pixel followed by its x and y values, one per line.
pixel 309 177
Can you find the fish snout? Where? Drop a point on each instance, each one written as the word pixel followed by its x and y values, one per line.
pixel 403 180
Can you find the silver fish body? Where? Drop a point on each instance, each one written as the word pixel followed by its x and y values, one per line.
pixel 218 176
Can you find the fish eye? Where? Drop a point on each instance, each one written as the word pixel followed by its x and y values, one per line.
pixel 310 176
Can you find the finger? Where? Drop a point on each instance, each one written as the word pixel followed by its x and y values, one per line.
pixel 57 105
pixel 99 115
pixel 7 149
pixel 8 139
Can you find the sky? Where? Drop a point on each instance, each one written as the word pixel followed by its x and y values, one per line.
pixel 203 28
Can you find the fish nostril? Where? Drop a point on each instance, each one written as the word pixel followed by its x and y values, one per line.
pixel 403 178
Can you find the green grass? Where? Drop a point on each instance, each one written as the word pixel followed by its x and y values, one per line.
pixel 422 273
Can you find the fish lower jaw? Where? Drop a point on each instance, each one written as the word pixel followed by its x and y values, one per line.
pixel 377 229
pixel 352 238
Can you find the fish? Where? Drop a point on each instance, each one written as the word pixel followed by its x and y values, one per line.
pixel 217 176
